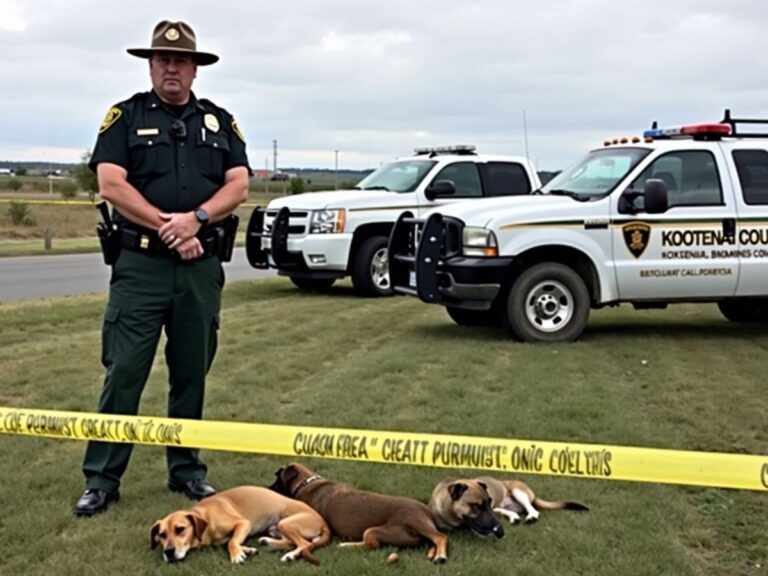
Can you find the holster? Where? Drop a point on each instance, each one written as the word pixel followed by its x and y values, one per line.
pixel 227 233
pixel 109 239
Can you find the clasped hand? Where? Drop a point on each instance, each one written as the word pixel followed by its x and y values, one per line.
pixel 178 233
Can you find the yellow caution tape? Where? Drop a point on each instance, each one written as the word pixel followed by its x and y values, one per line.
pixel 713 469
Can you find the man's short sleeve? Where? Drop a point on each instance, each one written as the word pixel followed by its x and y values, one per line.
pixel 237 155
pixel 112 141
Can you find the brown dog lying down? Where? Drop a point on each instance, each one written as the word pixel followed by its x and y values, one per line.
pixel 472 502
pixel 371 519
pixel 234 515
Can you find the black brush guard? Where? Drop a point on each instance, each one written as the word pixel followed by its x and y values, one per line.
pixel 257 255
pixel 417 248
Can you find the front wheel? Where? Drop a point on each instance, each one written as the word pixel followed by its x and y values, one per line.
pixel 370 268
pixel 745 310
pixel 548 302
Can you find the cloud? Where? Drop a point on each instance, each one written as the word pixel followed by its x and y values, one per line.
pixel 374 80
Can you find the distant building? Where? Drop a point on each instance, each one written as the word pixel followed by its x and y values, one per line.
pixel 270 175
pixel 7 172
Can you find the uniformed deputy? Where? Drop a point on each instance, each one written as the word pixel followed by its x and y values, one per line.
pixel 174 168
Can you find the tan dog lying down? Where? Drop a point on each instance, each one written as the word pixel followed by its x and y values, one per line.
pixel 234 515
pixel 472 502
pixel 371 519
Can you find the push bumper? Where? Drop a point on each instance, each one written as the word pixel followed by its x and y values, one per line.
pixel 426 262
pixel 284 245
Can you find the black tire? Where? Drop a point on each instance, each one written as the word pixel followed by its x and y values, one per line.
pixel 370 268
pixel 464 317
pixel 745 310
pixel 314 284
pixel 548 302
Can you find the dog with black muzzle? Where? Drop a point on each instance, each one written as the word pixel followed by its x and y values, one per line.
pixel 475 502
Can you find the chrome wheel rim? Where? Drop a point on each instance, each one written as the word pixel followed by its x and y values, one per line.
pixel 380 269
pixel 549 306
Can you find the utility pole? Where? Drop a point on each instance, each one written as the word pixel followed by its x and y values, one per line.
pixel 274 155
pixel 336 171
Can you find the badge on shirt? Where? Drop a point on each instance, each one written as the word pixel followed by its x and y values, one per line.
pixel 211 122
pixel 111 117
pixel 236 130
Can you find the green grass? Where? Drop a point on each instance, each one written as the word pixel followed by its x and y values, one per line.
pixel 335 360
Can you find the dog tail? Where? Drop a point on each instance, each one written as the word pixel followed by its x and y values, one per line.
pixel 546 505
pixel 318 542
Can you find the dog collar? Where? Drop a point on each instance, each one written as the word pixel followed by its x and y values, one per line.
pixel 304 483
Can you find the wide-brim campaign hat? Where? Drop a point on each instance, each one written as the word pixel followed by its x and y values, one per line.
pixel 175 37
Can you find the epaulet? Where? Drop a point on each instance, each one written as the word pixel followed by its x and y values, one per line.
pixel 207 103
pixel 210 106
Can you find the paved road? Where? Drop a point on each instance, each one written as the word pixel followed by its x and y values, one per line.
pixel 30 277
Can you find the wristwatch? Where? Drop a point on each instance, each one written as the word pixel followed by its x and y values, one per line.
pixel 202 216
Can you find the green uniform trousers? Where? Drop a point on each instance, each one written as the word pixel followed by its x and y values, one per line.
pixel 146 294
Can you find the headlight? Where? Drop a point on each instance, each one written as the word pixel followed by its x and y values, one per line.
pixel 479 242
pixel 327 221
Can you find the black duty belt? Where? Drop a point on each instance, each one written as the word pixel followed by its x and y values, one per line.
pixel 148 242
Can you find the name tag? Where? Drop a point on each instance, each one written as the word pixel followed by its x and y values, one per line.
pixel 147 131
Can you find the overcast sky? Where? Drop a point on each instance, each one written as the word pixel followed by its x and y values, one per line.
pixel 374 79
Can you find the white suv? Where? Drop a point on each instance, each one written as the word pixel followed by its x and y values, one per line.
pixel 680 215
pixel 319 237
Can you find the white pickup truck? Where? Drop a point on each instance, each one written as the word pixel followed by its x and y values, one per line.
pixel 319 237
pixel 680 215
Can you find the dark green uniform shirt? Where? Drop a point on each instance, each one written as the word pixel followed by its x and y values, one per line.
pixel 176 162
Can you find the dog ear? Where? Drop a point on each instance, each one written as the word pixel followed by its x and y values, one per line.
pixel 457 489
pixel 288 474
pixel 483 485
pixel 153 539
pixel 198 523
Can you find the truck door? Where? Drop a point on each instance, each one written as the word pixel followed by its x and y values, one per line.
pixel 751 169
pixel 692 249
pixel 466 179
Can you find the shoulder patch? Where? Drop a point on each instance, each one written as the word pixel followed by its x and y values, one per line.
pixel 236 130
pixel 112 116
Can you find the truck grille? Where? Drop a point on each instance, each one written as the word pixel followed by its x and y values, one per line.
pixel 298 224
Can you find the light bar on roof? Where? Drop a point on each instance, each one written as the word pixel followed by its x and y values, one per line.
pixel 466 148
pixel 695 130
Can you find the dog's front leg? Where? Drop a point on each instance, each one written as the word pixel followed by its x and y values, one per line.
pixel 237 552
pixel 510 515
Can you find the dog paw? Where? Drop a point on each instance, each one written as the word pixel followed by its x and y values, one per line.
pixel 290 556
pixel 531 518
pixel 439 560
pixel 243 554
pixel 264 541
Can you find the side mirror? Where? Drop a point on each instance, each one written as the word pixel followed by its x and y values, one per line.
pixel 655 198
pixel 440 188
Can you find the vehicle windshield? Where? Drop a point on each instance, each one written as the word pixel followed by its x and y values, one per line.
pixel 397 176
pixel 597 174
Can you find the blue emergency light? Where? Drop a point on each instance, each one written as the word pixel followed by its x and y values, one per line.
pixel 698 131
